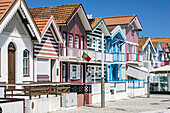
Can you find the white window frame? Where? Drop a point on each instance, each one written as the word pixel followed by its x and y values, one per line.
pixel 74 75
pixel 82 42
pixel 26 63
pixel 76 41
pixel 70 40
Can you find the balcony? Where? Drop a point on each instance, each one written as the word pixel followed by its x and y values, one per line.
pixel 76 55
pixel 133 57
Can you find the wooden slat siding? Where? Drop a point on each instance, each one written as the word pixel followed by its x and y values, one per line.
pixel 48 48
pixel 97 34
pixel 42 78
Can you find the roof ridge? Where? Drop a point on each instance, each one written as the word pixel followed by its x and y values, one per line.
pixel 56 6
pixel 117 16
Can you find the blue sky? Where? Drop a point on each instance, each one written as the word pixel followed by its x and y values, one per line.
pixel 154 15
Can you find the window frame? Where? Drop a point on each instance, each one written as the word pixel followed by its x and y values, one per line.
pixel 71 41
pixel 77 42
pixel 26 67
pixel 82 42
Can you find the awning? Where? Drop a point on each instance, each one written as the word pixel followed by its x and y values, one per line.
pixel 164 69
pixel 137 72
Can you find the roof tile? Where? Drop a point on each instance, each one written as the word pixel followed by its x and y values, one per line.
pixel 62 14
pixel 142 41
pixel 118 20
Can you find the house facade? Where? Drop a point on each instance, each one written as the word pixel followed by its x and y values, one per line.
pixel 114 45
pixel 130 26
pixel 18 33
pixel 46 52
pixel 94 44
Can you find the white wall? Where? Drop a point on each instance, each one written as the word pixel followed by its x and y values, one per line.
pixel 21 42
pixel 12 107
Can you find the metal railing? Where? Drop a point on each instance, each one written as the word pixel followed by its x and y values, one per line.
pixel 67 52
pixel 35 89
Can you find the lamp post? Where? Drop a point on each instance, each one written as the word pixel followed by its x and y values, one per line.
pixel 148 77
pixel 102 78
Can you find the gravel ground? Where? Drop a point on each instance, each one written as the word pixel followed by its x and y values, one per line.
pixel 154 104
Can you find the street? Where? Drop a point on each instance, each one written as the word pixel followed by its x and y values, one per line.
pixel 154 104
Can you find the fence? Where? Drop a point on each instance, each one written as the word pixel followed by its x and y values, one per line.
pixel 35 89
pixel 140 83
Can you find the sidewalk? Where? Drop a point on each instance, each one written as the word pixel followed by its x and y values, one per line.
pixel 154 104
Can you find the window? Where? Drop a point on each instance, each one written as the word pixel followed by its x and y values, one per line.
pixel 90 42
pixel 70 40
pixel 82 44
pixel 74 71
pixel 108 45
pixel 25 62
pixel 127 48
pixel 132 49
pixel 76 42
pixel 64 37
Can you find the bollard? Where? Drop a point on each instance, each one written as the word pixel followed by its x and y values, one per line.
pixel 102 93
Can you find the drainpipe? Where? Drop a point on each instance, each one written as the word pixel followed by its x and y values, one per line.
pixel 102 78
pixel 148 83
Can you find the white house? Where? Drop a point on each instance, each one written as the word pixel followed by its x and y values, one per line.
pixel 18 32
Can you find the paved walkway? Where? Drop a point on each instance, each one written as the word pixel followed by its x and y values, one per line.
pixel 154 104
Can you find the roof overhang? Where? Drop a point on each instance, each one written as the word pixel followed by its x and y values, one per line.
pixel 83 18
pixel 137 23
pixel 159 44
pixel 119 31
pixel 11 12
pixel 146 43
pixel 101 23
pixel 54 28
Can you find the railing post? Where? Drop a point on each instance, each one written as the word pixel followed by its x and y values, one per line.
pixel 133 83
pixel 139 83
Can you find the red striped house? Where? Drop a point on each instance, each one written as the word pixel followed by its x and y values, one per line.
pixel 46 52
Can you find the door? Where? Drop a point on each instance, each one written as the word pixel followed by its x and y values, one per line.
pixel 43 70
pixel 11 63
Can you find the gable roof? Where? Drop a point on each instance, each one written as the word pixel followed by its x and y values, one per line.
pixel 62 14
pixel 143 41
pixel 122 20
pixel 7 10
pixel 99 22
pixel 51 24
pixel 117 30
pixel 164 41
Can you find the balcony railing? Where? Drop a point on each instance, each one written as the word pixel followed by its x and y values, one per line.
pixel 134 57
pixel 76 54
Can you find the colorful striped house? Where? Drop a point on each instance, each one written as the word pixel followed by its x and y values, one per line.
pixel 130 26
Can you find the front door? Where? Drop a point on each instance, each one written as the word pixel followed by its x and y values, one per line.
pixel 11 64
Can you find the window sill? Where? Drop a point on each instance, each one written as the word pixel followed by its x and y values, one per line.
pixel 26 76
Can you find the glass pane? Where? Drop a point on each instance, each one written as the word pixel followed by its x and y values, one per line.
pixel 24 70
pixel 25 54
pixel 27 70
pixel 26 62
pixel 76 42
pixel 70 41
pixel 11 46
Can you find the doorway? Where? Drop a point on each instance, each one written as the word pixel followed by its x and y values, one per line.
pixel 11 63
